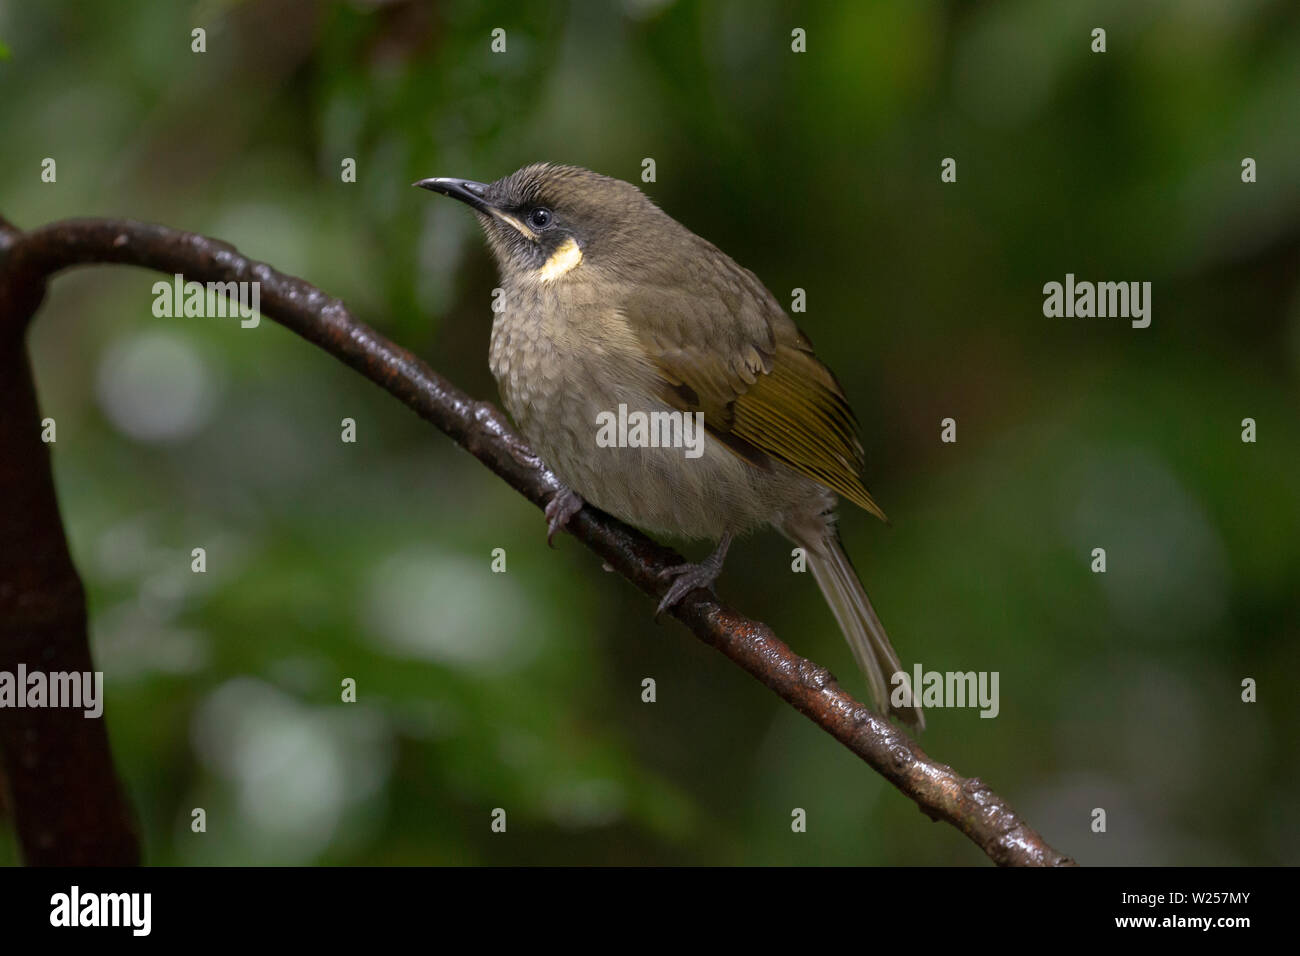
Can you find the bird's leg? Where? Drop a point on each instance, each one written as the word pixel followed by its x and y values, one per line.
pixel 562 506
pixel 688 577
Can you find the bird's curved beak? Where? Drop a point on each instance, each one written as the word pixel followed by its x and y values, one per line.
pixel 474 195
pixel 466 190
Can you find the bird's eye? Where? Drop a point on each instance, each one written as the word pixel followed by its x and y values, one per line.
pixel 540 218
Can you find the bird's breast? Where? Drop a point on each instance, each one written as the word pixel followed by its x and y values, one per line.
pixel 557 349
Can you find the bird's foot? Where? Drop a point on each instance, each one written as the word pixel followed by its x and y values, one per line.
pixel 688 577
pixel 563 506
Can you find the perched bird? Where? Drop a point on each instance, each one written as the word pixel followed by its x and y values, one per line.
pixel 610 302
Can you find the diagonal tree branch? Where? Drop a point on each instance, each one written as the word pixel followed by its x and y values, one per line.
pixel 27 259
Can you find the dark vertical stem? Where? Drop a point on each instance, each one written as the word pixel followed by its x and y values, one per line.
pixel 62 789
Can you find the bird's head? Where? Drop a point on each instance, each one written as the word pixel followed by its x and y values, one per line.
pixel 550 223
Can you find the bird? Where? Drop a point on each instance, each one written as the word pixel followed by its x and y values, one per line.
pixel 609 303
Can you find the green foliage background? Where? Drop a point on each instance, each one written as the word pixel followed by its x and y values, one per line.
pixel 816 170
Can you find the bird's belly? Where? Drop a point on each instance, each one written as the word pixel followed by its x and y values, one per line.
pixel 657 489
pixel 590 414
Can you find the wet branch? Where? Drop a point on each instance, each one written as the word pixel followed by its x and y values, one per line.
pixel 38 585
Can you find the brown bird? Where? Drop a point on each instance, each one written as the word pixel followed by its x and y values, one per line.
pixel 613 307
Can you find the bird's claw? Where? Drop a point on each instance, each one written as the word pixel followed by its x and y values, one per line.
pixel 686 578
pixel 562 506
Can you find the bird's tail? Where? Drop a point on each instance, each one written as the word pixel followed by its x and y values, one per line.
pixel 862 628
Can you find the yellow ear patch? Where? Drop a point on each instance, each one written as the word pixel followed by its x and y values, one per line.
pixel 563 260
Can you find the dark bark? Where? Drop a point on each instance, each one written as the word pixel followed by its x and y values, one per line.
pixel 62 790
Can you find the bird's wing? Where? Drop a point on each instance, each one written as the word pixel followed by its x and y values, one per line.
pixel 721 345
